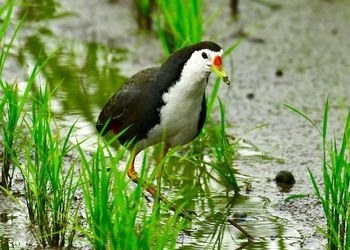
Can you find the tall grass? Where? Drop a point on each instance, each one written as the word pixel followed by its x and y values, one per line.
pixel 9 118
pixel 336 179
pixel 5 48
pixel 222 150
pixel 50 183
pixel 179 24
pixel 49 187
pixel 10 107
pixel 117 218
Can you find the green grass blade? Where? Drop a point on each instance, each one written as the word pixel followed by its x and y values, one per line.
pixel 304 116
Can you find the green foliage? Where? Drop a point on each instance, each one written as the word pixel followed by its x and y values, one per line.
pixel 49 188
pixel 336 178
pixel 179 24
pixel 117 219
pixel 10 115
pixel 10 108
pixel 222 149
pixel 49 184
pixel 5 49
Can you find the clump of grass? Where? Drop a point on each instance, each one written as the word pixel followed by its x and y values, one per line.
pixel 50 185
pixel 10 107
pixel 222 150
pixel 179 24
pixel 9 118
pixel 117 219
pixel 336 180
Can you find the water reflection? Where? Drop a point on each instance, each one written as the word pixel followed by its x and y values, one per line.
pixel 36 10
pixel 82 76
pixel 204 192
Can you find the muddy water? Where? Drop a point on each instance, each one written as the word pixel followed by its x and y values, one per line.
pixel 297 54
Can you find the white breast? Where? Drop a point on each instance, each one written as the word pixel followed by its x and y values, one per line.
pixel 180 114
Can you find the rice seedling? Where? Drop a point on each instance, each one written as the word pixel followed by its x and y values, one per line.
pixel 5 48
pixel 336 179
pixel 116 217
pixel 50 185
pixel 10 108
pixel 179 24
pixel 10 116
pixel 222 150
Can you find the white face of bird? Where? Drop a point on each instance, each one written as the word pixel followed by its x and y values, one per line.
pixel 203 61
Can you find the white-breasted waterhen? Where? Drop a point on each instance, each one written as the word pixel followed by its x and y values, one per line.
pixel 163 104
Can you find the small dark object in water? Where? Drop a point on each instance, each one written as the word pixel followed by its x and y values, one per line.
pixel 3 217
pixel 240 216
pixel 284 177
pixel 279 73
pixel 285 181
pixel 250 96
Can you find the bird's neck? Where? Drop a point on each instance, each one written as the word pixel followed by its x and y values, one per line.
pixel 192 82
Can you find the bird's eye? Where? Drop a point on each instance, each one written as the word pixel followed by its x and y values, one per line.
pixel 204 55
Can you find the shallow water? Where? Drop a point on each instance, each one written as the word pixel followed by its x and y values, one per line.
pixel 100 46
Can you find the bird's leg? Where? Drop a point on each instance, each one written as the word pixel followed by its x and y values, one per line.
pixel 153 191
pixel 159 160
pixel 159 172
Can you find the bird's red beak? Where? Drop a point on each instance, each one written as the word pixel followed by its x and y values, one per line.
pixel 217 69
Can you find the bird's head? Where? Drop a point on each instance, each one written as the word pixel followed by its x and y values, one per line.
pixel 198 59
pixel 208 60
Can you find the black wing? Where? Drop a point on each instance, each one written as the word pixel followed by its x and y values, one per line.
pixel 133 107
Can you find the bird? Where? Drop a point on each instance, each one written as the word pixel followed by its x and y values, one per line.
pixel 163 104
